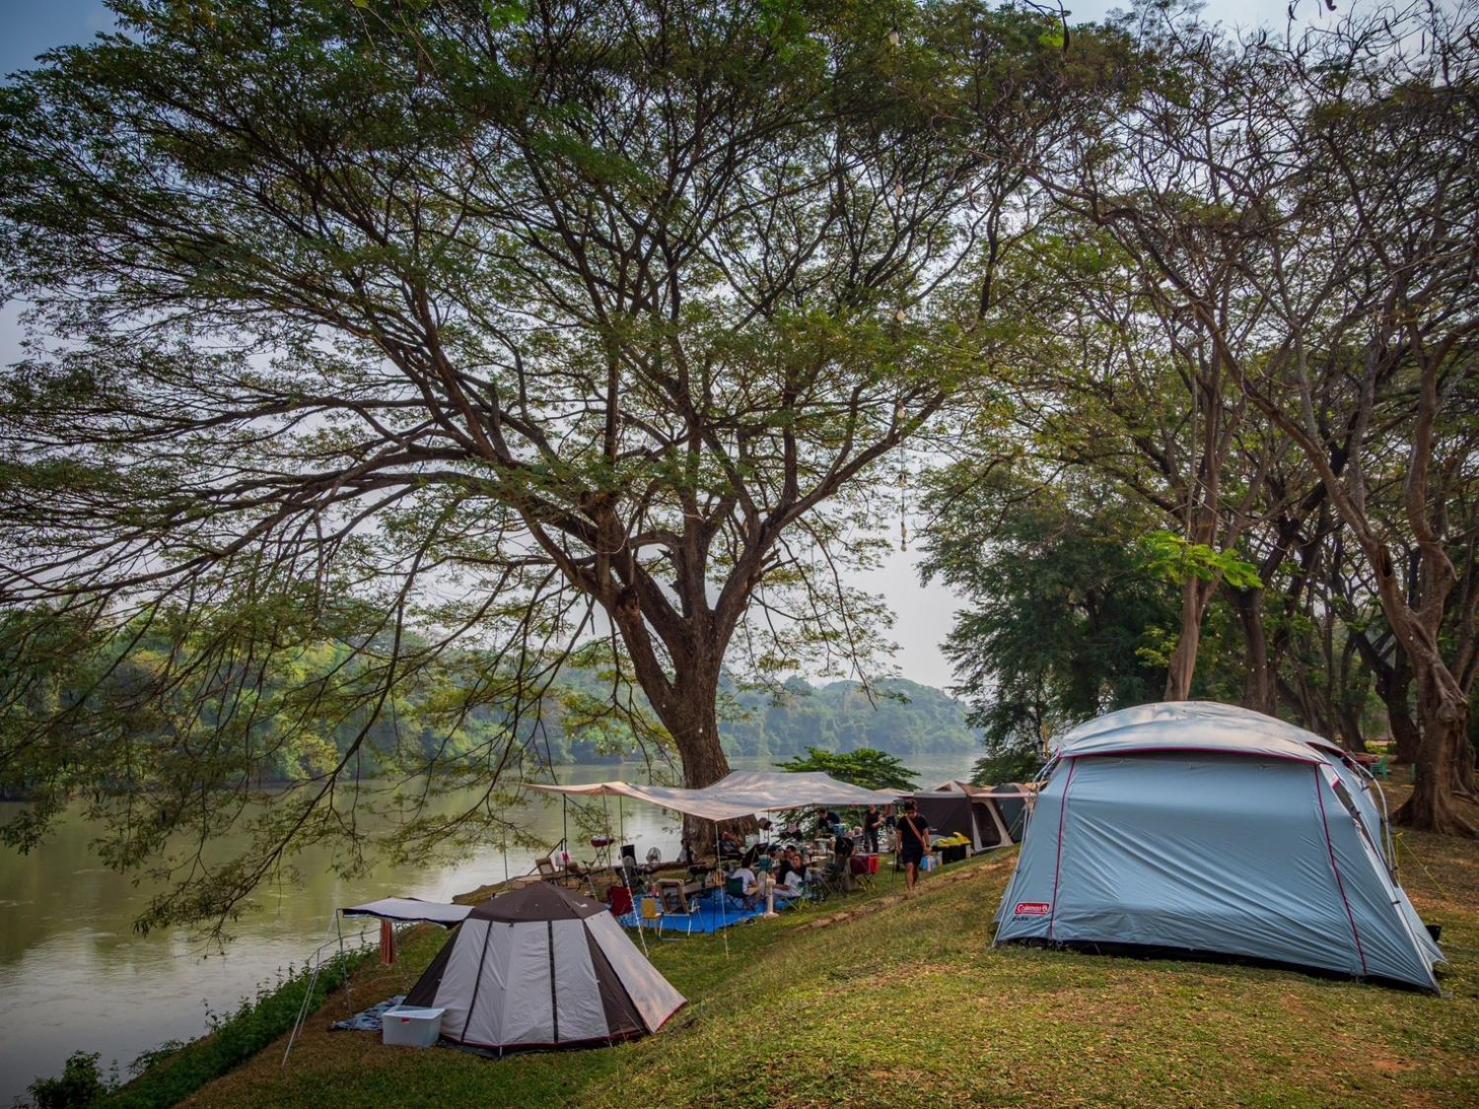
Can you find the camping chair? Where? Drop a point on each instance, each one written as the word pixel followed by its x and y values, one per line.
pixel 734 890
pixel 651 914
pixel 1382 769
pixel 674 899
pixel 862 870
pixel 545 865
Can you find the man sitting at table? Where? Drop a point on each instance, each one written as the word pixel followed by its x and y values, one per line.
pixel 746 877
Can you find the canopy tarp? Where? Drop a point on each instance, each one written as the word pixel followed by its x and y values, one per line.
pixel 408 909
pixel 741 793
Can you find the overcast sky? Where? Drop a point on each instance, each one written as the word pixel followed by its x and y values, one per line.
pixel 28 27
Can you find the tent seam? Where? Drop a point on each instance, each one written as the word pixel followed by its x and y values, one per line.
pixel 1335 868
pixel 1058 861
pixel 472 1006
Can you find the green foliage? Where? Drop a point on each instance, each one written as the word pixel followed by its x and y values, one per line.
pixel 1009 762
pixel 79 1085
pixel 1059 605
pixel 1176 558
pixel 893 715
pixel 170 1076
pixel 864 767
pixel 383 351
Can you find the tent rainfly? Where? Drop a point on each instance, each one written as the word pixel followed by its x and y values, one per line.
pixel 541 967
pixel 1201 828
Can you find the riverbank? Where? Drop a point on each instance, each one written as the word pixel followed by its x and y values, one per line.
pixel 71 960
pixel 909 1004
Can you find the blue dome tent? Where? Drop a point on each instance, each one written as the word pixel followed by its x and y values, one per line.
pixel 1194 827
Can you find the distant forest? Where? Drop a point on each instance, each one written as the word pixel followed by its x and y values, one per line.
pixel 898 716
pixel 295 715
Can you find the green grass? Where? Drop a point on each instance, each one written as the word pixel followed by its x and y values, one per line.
pixel 910 1005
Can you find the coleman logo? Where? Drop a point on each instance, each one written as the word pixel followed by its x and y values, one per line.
pixel 1032 908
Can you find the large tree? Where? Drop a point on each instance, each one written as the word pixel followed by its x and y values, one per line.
pixel 1308 205
pixel 508 323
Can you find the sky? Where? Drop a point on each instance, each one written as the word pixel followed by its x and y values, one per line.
pixel 923 614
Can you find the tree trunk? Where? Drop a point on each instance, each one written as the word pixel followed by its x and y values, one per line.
pixel 1405 732
pixel 1184 659
pixel 1445 741
pixel 1259 693
pixel 691 716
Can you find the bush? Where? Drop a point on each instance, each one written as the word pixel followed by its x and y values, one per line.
pixel 168 1076
pixel 79 1085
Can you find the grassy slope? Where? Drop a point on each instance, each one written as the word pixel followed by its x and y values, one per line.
pixel 909 1005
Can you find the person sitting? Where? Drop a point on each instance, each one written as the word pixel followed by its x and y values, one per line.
pixel 843 846
pixel 729 846
pixel 743 884
pixel 783 865
pixel 791 886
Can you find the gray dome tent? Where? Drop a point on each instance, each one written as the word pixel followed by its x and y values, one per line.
pixel 541 967
pixel 1202 828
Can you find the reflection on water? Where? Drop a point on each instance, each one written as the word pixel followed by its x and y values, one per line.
pixel 77 977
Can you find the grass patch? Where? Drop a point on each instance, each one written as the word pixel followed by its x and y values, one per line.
pixel 910 1005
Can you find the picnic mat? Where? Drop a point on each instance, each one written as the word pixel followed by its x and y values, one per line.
pixel 369 1020
pixel 708 916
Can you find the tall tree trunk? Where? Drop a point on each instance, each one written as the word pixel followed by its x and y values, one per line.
pixel 1259 692
pixel 1438 773
pixel 1183 666
pixel 691 716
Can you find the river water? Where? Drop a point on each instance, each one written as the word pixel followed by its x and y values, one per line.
pixel 75 976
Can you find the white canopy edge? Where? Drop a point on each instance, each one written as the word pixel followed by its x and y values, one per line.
pixel 408 909
pixel 742 793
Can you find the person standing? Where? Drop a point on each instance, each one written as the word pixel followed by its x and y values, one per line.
pixel 914 841
pixel 871 821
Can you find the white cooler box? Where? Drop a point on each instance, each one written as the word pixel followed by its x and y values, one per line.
pixel 409 1027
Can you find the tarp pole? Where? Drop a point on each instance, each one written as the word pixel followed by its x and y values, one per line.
pixel 723 893
pixel 318 957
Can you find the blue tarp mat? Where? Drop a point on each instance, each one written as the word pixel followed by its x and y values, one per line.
pixel 708 917
pixel 369 1020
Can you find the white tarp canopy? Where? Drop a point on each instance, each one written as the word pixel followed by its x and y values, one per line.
pixel 409 909
pixel 738 794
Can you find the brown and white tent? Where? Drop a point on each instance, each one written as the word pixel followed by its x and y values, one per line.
pixel 976 812
pixel 541 967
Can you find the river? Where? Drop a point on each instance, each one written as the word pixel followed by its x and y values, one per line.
pixel 77 977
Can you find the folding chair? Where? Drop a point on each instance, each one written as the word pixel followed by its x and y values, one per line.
pixel 734 890
pixel 545 865
pixel 652 914
pixel 675 899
